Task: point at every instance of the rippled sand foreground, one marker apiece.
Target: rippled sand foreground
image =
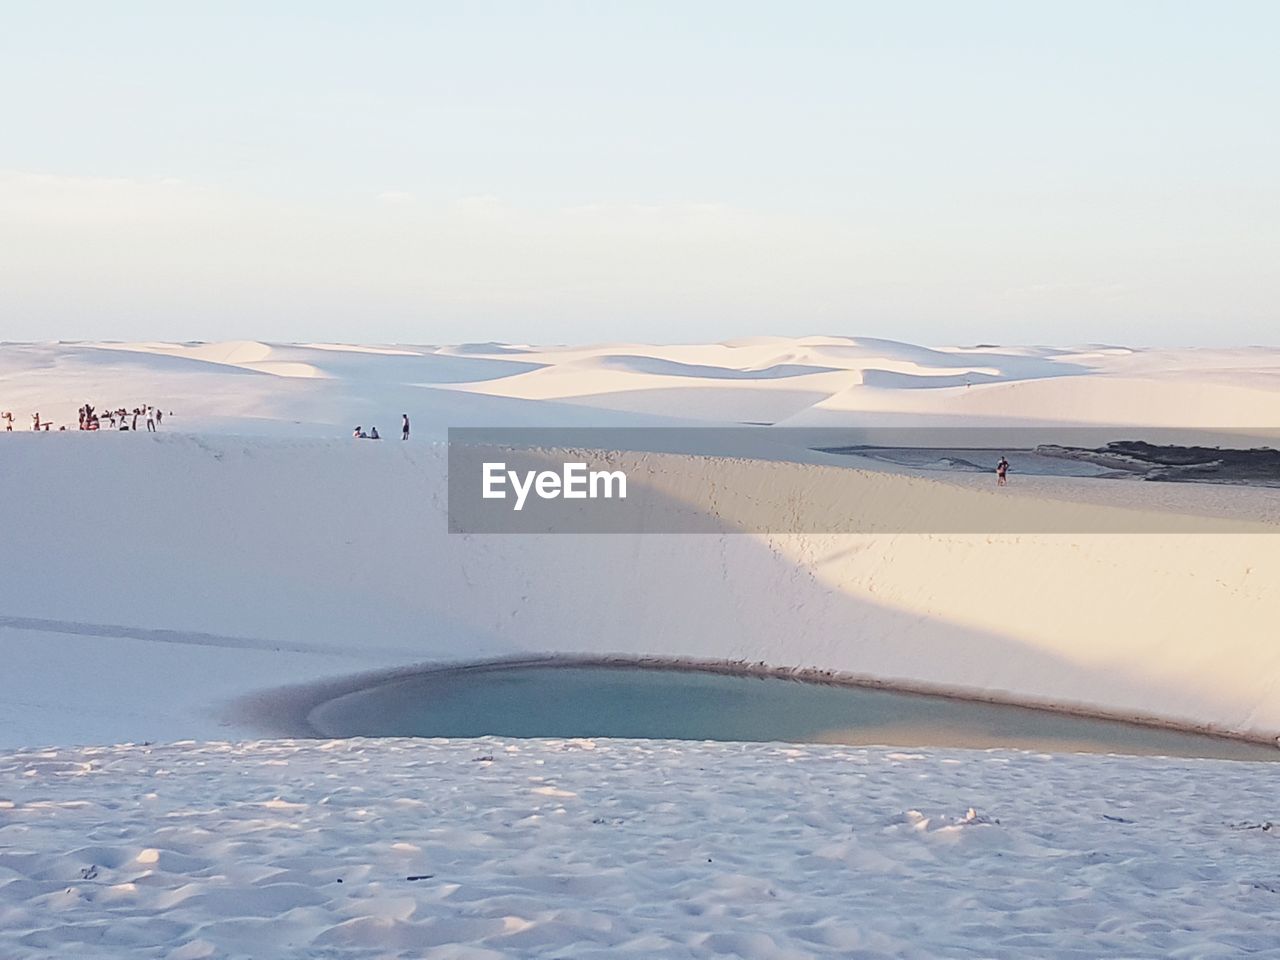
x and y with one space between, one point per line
505 848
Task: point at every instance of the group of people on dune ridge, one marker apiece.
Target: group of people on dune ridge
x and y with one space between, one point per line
89 419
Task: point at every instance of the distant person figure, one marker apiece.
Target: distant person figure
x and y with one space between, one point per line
373 433
7 416
35 425
135 421
359 433
404 426
159 416
1002 472
151 423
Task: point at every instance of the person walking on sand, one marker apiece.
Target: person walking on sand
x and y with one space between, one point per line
404 426
1002 472
151 423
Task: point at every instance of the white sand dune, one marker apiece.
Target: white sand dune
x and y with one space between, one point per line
342 546
319 389
329 546
1179 399
150 582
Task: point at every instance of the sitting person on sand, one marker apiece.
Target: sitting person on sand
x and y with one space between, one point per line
359 433
373 433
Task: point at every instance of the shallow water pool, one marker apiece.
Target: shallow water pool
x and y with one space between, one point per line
690 704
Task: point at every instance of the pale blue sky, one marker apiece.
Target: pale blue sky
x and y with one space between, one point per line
549 172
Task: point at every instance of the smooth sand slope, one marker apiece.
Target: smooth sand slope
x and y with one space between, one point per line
308 558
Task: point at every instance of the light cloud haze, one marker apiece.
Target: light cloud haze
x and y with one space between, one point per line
553 172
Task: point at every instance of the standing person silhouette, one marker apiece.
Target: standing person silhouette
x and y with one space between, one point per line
1002 472
404 426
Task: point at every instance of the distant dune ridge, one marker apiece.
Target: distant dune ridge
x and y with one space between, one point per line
323 389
